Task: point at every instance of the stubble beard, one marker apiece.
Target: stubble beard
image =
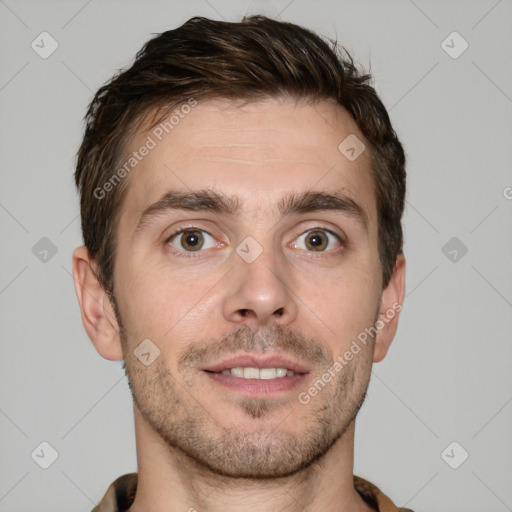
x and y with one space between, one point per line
173 410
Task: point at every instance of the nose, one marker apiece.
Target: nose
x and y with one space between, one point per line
258 294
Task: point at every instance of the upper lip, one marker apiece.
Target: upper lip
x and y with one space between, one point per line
251 361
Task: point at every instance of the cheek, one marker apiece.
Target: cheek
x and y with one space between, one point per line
342 307
159 303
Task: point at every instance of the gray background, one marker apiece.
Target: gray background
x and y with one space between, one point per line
447 377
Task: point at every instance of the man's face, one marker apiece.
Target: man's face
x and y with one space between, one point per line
260 282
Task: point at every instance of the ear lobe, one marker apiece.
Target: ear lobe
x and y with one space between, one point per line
97 313
391 305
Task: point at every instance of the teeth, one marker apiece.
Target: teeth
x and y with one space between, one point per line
251 373
237 372
259 373
267 373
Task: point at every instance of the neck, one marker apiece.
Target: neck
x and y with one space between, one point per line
169 480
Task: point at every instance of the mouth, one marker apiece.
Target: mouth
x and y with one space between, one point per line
250 372
255 376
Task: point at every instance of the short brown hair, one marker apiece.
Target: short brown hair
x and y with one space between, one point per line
255 59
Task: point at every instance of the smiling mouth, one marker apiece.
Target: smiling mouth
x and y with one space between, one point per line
257 373
264 384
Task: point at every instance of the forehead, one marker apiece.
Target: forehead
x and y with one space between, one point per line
258 152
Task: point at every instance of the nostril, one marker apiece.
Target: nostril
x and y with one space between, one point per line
279 311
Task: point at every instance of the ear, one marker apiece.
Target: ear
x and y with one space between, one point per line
98 314
390 307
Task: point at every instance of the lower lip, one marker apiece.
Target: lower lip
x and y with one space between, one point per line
258 387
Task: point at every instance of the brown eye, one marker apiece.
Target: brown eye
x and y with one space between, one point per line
316 241
192 240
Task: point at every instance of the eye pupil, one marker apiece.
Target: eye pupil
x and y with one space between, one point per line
192 240
316 240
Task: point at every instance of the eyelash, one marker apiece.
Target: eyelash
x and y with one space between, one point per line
195 254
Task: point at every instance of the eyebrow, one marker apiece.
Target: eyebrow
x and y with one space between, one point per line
205 200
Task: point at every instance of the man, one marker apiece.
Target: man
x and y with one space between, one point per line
241 198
